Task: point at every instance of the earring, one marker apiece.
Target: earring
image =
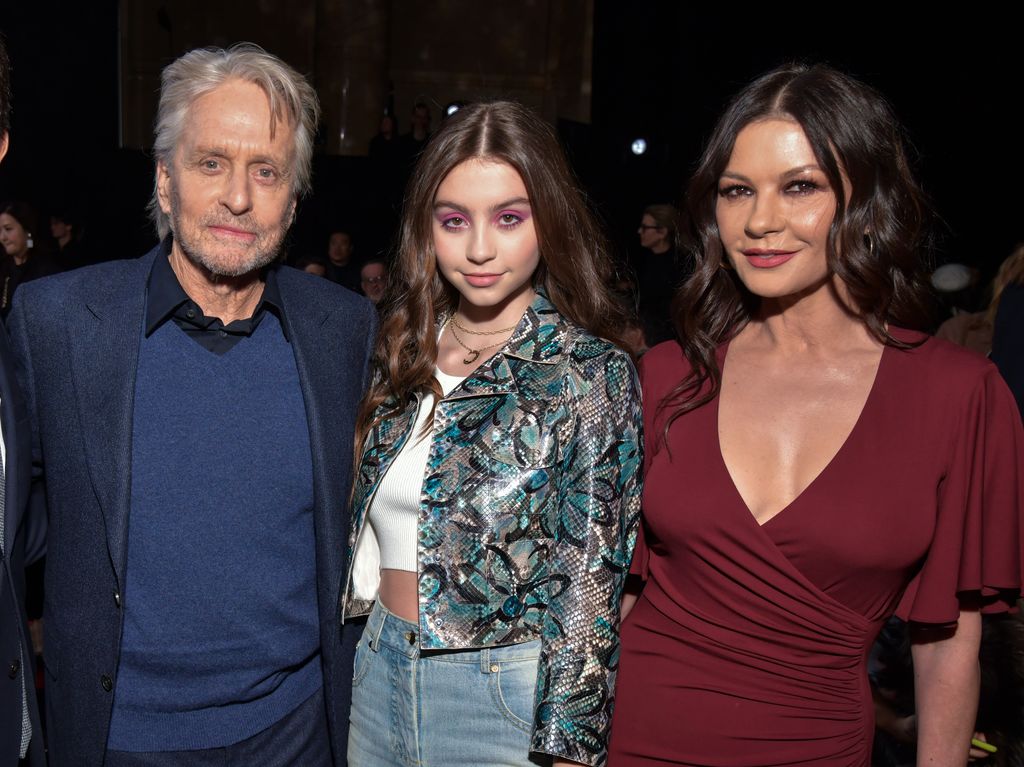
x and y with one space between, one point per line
870 243
31 244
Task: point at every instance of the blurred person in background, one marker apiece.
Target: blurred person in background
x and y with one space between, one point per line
23 260
341 268
1008 334
659 272
373 279
66 232
973 330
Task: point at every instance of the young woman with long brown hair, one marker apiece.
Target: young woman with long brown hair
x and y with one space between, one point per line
498 476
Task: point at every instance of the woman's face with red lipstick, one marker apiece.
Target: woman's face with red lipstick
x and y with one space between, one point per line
484 237
774 210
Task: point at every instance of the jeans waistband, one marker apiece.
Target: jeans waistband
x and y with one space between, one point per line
385 629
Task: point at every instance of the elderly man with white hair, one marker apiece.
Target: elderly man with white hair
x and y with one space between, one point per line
192 417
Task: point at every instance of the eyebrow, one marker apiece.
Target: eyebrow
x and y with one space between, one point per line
222 151
494 208
788 174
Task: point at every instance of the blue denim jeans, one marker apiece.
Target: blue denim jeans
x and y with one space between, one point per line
439 708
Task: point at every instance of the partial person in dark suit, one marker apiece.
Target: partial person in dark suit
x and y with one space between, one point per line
192 415
1008 340
21 540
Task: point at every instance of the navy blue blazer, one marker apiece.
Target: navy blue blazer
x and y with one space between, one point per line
24 531
77 339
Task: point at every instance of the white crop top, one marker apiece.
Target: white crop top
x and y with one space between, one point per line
394 513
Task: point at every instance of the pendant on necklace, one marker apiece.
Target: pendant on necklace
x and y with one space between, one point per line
474 355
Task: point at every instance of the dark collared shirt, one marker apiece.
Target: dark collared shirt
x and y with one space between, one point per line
166 299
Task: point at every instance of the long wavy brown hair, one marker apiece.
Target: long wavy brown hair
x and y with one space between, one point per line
875 240
574 270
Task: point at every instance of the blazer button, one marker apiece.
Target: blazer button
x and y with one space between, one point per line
117 598
14 668
106 683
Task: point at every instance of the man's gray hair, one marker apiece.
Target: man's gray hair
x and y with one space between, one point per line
200 71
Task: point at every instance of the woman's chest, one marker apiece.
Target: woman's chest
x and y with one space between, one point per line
857 530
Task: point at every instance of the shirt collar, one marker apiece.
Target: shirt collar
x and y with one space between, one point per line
164 293
541 333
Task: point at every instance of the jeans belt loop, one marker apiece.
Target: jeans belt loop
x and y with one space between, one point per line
486 667
375 638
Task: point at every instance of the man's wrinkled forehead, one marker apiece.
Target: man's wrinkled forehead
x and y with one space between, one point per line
236 116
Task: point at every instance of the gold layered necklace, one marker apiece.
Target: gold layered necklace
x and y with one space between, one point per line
474 354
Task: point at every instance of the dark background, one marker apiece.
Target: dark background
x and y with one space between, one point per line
662 71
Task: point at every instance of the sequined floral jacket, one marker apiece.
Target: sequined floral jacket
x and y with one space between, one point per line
527 519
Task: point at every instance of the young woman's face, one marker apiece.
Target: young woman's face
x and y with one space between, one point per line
774 209
13 236
485 239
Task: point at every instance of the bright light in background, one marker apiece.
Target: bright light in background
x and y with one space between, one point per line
452 109
639 146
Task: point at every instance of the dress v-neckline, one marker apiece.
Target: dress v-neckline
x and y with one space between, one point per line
868 402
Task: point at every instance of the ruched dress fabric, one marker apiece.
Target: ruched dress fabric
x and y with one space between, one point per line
748 644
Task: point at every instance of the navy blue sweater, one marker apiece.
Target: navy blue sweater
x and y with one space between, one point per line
221 635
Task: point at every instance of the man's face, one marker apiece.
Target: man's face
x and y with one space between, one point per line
339 248
229 192
59 229
374 281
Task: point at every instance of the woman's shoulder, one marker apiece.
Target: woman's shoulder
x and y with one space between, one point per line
581 345
663 368
666 358
588 358
935 364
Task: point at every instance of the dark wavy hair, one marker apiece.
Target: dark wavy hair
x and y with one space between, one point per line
875 239
574 271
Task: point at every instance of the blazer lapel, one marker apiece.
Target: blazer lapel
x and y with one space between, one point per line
304 319
105 327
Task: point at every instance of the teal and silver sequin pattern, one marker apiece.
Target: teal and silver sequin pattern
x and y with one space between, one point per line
528 515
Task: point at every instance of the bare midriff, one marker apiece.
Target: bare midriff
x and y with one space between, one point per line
398 593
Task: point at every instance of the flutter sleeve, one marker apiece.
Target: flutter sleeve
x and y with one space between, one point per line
976 553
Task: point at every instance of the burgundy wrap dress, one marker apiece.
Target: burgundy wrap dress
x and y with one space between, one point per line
748 645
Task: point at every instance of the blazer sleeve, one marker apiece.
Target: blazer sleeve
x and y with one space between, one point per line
598 508
35 515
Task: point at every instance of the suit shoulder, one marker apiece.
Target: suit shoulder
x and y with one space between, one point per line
55 288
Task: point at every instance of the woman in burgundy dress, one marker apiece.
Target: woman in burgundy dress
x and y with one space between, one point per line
814 463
